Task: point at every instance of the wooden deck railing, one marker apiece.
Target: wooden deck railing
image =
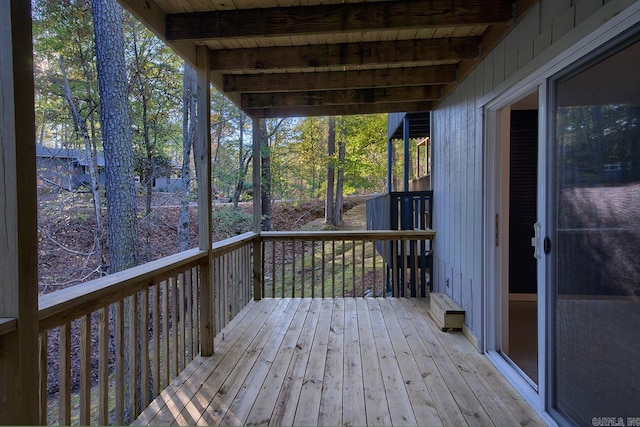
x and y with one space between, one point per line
133 332
338 263
232 276
110 346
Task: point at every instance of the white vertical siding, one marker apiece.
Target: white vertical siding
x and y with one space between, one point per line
458 148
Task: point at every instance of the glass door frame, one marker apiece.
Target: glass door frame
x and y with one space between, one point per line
496 186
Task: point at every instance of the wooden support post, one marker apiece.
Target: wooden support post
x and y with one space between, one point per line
19 387
207 326
407 152
257 208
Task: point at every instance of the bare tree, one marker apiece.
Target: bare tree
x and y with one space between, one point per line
189 129
81 127
329 212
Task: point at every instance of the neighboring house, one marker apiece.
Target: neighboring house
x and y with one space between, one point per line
69 168
66 167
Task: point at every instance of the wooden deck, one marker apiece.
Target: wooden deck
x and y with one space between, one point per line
339 362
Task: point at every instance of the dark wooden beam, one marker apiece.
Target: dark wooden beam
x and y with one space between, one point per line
340 110
344 54
251 101
334 18
388 77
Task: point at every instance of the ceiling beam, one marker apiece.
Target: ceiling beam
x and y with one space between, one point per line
251 101
149 13
345 54
334 18
340 110
388 77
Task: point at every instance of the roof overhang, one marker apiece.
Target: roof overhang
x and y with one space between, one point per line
328 57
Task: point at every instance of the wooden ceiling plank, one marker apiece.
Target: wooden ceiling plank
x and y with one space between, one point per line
251 101
345 54
388 77
345 17
341 110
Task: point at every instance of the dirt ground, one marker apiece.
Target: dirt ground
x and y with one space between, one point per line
66 224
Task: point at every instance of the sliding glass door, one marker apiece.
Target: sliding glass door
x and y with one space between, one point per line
594 316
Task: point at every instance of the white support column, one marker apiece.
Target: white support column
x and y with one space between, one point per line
207 327
19 388
257 207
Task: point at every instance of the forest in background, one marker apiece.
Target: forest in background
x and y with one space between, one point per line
304 159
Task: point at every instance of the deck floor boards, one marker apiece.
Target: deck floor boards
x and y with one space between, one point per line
339 362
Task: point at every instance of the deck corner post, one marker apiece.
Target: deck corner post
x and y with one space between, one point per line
207 326
19 381
257 268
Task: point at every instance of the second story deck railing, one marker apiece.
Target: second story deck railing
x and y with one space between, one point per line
108 347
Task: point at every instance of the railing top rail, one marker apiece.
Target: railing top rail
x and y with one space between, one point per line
7 324
411 193
349 235
58 307
228 245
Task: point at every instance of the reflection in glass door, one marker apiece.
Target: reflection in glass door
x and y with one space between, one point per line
595 237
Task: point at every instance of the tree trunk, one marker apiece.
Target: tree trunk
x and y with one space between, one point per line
244 159
148 172
340 181
116 134
189 135
265 180
329 213
81 126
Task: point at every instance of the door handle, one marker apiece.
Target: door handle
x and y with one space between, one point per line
535 240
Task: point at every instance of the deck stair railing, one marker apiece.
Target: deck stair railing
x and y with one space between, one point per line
404 210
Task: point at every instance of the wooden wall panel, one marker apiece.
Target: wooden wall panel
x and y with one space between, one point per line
457 136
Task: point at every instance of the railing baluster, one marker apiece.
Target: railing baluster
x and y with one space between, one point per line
44 376
364 242
375 256
302 268
322 281
133 358
313 268
333 269
165 333
119 389
273 268
103 368
353 267
174 325
217 294
195 307
188 295
293 270
155 313
144 347
64 381
85 370
394 261
283 265
182 355
385 267
416 278
344 266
